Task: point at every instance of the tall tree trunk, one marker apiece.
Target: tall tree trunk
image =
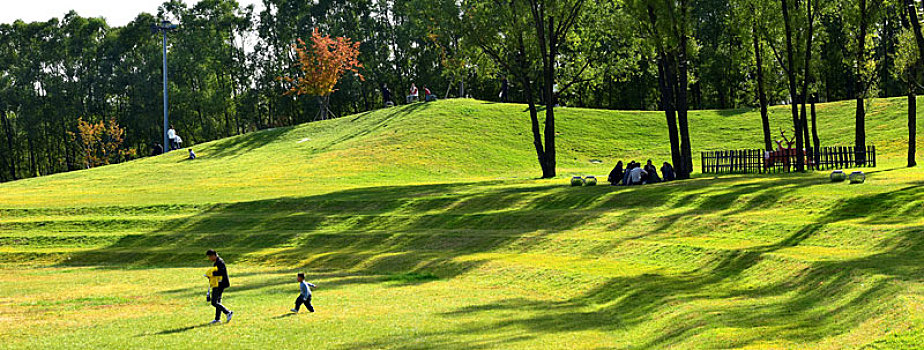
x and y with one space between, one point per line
68 159
547 49
912 125
11 156
815 139
667 82
531 102
860 134
686 151
807 75
549 131
761 93
912 14
791 73
322 108
33 167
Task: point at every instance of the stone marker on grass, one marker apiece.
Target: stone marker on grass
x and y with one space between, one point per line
590 181
857 177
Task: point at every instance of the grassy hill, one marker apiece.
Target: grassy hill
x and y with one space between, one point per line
444 142
424 228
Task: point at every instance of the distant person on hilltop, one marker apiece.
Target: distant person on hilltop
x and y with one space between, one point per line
386 96
616 175
505 89
222 272
157 150
171 137
413 94
192 155
428 96
305 297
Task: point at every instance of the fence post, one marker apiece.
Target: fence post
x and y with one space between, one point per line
873 154
840 157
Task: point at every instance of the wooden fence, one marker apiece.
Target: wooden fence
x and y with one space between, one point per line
753 161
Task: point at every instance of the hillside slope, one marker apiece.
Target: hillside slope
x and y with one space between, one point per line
400 218
447 141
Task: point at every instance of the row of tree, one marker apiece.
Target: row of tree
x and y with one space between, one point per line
227 64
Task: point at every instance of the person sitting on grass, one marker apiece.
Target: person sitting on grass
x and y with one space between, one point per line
222 272
428 96
638 175
625 176
192 155
386 96
305 296
652 173
667 171
413 95
615 175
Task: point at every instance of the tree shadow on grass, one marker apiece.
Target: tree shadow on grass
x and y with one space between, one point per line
426 229
398 229
825 299
373 230
237 145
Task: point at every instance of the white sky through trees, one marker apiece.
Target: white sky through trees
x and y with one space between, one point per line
117 12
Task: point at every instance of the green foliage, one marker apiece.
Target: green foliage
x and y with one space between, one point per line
225 58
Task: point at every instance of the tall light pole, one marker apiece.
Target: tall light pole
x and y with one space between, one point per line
164 27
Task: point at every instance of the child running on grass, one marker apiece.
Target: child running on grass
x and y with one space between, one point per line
305 296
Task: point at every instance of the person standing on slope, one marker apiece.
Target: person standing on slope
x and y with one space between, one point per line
221 271
171 138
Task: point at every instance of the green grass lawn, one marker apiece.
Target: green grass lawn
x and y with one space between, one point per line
424 228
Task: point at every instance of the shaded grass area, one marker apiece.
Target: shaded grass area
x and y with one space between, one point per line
788 261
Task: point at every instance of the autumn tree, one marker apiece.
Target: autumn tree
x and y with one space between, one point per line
322 63
101 143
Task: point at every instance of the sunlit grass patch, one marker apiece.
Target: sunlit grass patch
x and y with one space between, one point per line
424 228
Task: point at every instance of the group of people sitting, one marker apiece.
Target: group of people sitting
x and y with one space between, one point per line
413 95
635 174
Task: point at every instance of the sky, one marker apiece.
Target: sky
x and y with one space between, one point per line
116 12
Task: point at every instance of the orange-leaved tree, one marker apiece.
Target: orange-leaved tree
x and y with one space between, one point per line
322 63
101 143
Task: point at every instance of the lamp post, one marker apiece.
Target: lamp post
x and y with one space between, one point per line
164 27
